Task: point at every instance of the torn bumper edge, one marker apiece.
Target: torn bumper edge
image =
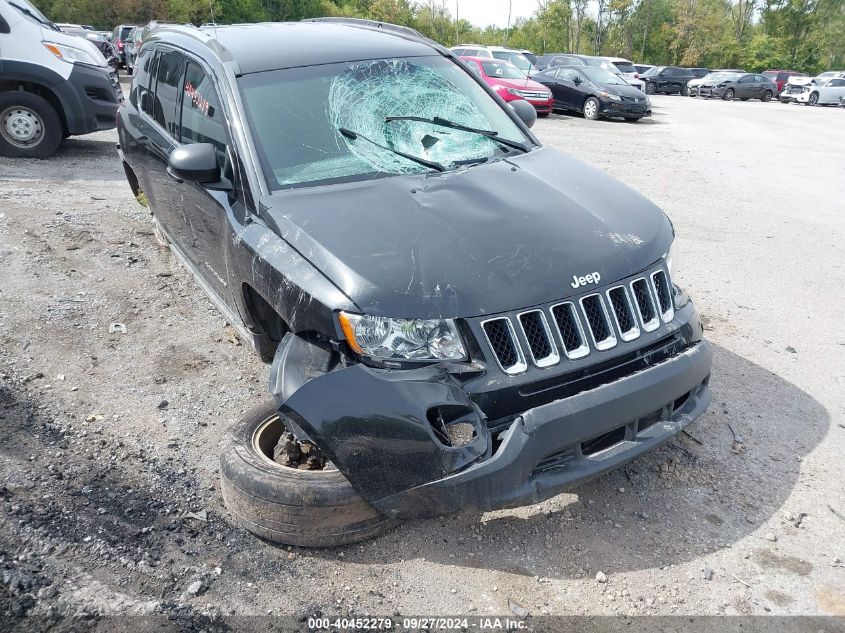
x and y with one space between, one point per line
373 426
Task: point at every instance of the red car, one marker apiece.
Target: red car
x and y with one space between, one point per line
511 83
780 77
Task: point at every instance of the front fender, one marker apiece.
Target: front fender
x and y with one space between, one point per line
377 426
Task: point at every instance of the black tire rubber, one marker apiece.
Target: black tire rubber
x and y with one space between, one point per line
729 94
814 98
684 91
52 125
633 118
584 109
743 98
649 88
767 96
285 505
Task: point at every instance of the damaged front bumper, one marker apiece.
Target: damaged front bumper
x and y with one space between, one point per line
386 431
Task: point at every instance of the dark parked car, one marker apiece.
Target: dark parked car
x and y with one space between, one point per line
458 316
670 79
131 46
595 92
729 86
119 35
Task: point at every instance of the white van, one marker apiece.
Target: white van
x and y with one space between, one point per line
52 84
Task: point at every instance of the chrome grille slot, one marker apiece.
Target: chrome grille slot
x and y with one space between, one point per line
502 339
570 330
623 313
541 345
663 295
598 322
645 304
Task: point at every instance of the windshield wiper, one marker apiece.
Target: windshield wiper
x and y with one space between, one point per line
52 25
422 161
440 121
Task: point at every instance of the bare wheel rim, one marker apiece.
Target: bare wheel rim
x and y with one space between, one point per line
590 109
265 438
729 95
814 99
21 127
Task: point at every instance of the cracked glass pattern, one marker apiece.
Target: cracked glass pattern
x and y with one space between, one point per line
361 97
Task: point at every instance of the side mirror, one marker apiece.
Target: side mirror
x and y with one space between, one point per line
195 163
525 111
577 81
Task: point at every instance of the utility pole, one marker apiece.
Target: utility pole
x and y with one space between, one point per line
508 31
457 22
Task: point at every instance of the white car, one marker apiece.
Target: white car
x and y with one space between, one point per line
831 91
515 57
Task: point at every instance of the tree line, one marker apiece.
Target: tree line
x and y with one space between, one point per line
807 35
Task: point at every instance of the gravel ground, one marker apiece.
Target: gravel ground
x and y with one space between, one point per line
110 500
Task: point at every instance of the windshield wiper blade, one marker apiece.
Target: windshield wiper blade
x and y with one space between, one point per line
491 134
422 161
52 25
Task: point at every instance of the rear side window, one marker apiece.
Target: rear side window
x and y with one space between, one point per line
166 91
625 67
202 119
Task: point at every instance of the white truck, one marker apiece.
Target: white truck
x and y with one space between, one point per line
52 84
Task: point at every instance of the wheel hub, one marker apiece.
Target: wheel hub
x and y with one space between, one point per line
21 127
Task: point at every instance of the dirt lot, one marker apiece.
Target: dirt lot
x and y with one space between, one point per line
110 500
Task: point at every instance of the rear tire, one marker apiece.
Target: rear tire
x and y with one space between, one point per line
286 505
29 126
591 108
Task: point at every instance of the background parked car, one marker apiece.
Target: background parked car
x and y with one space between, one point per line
780 77
693 84
746 86
119 35
642 68
829 91
608 63
670 79
515 57
131 46
511 83
594 92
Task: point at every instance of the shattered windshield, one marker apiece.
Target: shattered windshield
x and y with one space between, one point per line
297 115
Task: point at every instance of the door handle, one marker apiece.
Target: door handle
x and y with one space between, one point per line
173 176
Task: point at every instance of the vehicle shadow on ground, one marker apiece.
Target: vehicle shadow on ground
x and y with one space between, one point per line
563 115
697 494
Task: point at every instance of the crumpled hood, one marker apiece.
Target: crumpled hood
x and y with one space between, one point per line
482 240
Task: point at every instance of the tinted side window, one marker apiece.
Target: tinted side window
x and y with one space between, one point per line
202 119
747 79
836 83
166 91
761 79
141 77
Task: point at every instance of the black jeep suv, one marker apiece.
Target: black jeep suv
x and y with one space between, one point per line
458 317
670 79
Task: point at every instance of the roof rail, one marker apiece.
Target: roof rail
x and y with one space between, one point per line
373 24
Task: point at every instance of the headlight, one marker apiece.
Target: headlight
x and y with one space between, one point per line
402 339
611 97
515 92
671 258
71 54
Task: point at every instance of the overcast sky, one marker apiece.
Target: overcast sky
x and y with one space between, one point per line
485 12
